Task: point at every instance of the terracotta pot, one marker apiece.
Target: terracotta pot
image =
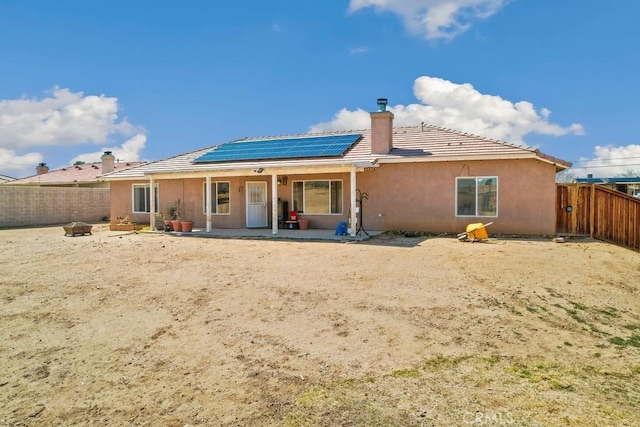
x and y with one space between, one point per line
168 226
187 225
177 225
303 223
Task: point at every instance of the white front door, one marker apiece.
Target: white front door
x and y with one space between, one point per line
257 204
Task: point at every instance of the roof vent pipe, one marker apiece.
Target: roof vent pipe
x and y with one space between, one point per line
382 104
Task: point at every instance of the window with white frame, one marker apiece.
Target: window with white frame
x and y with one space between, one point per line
477 196
142 198
219 197
317 197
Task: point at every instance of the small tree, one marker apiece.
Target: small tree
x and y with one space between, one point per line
566 176
629 173
177 213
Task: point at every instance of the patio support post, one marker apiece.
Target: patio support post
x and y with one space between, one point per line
152 204
274 203
207 207
352 211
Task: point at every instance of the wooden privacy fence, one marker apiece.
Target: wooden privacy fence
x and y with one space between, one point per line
600 212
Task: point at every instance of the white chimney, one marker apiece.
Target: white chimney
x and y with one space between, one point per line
381 129
108 161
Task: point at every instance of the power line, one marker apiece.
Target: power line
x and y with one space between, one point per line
612 158
606 166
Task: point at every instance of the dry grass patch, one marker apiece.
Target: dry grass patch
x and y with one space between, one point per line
453 391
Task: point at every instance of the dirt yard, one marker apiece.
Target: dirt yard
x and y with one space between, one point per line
155 330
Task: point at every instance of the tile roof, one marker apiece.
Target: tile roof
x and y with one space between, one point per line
423 143
5 178
89 173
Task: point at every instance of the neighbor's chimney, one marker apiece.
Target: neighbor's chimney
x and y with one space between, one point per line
381 129
42 168
108 161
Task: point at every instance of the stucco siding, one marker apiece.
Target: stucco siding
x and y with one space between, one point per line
421 196
190 192
324 221
401 196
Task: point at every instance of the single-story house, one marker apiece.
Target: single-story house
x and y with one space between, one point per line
421 178
79 175
72 193
625 184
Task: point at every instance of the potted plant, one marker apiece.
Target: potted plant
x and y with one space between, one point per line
187 225
166 217
176 217
303 223
185 222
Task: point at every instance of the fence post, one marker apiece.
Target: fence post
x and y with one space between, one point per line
573 194
592 210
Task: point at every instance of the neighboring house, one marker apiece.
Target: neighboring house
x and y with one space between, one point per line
4 179
627 185
84 175
74 193
422 178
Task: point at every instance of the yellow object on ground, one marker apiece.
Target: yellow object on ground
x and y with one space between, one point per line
477 231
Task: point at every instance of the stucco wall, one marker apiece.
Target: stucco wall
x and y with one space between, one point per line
421 196
190 193
29 206
407 196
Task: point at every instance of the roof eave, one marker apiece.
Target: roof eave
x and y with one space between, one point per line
250 169
558 163
52 183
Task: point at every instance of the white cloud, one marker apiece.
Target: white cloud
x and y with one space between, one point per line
63 118
60 118
460 107
128 152
434 19
10 161
609 161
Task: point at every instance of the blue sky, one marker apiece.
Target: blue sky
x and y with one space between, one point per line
151 79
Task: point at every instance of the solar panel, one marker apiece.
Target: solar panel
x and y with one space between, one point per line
281 148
